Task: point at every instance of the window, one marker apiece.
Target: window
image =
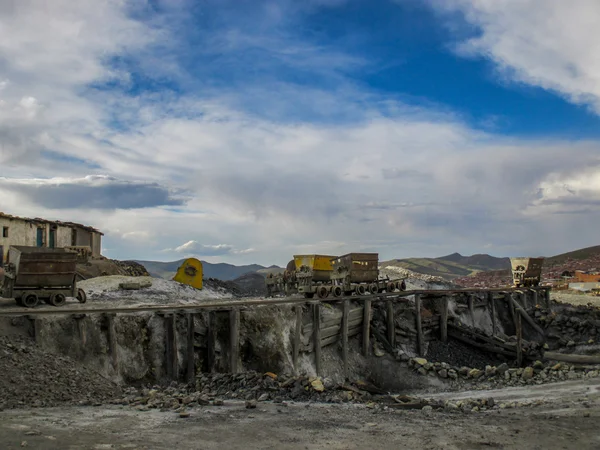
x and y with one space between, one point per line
4 232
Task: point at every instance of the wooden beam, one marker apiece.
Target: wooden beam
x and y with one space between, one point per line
297 333
492 303
366 338
210 341
519 341
112 341
444 319
572 358
420 337
234 339
471 308
345 315
548 301
171 347
511 308
190 353
391 324
526 316
316 313
535 295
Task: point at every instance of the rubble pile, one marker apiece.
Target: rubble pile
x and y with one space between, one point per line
32 377
131 268
223 287
569 326
502 375
252 284
401 272
254 388
485 280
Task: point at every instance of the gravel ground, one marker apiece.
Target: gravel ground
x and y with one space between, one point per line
32 377
456 353
575 299
567 421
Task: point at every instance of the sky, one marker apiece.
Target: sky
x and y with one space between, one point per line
247 131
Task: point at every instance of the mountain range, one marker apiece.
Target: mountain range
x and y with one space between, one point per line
448 267
221 271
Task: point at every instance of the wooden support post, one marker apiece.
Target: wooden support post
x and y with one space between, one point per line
234 339
297 333
420 337
191 354
536 298
35 329
391 324
521 312
471 308
492 303
316 313
548 301
345 313
444 319
79 320
511 308
519 341
112 341
366 334
171 347
210 341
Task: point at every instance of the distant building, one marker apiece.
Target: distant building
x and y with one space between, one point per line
585 287
47 233
581 276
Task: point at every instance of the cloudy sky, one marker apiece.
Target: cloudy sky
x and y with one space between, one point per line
247 130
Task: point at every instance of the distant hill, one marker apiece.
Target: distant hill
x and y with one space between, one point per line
451 266
577 255
221 271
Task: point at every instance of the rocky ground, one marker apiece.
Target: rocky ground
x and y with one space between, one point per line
31 377
563 416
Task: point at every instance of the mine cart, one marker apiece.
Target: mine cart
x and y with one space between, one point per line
526 271
38 273
313 274
359 273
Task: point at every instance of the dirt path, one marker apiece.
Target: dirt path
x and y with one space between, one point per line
568 420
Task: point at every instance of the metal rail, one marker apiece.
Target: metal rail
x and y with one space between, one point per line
216 304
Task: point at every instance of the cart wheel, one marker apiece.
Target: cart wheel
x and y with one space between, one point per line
81 295
30 300
322 292
373 288
360 289
57 299
337 291
390 287
401 285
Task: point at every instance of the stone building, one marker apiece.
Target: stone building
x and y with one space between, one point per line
47 233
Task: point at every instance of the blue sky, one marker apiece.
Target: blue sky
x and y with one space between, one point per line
248 130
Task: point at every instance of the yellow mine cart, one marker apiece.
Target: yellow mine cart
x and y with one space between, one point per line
319 266
526 271
190 273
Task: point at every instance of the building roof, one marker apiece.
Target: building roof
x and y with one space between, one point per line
55 222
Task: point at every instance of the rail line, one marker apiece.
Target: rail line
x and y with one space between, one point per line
217 304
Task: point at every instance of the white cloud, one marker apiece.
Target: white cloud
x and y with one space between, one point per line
553 44
401 181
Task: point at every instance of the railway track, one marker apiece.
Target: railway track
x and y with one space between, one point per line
227 305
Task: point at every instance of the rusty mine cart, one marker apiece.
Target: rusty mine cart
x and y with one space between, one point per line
33 274
526 272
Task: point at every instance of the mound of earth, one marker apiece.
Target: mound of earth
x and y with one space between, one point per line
104 267
252 284
132 291
32 377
